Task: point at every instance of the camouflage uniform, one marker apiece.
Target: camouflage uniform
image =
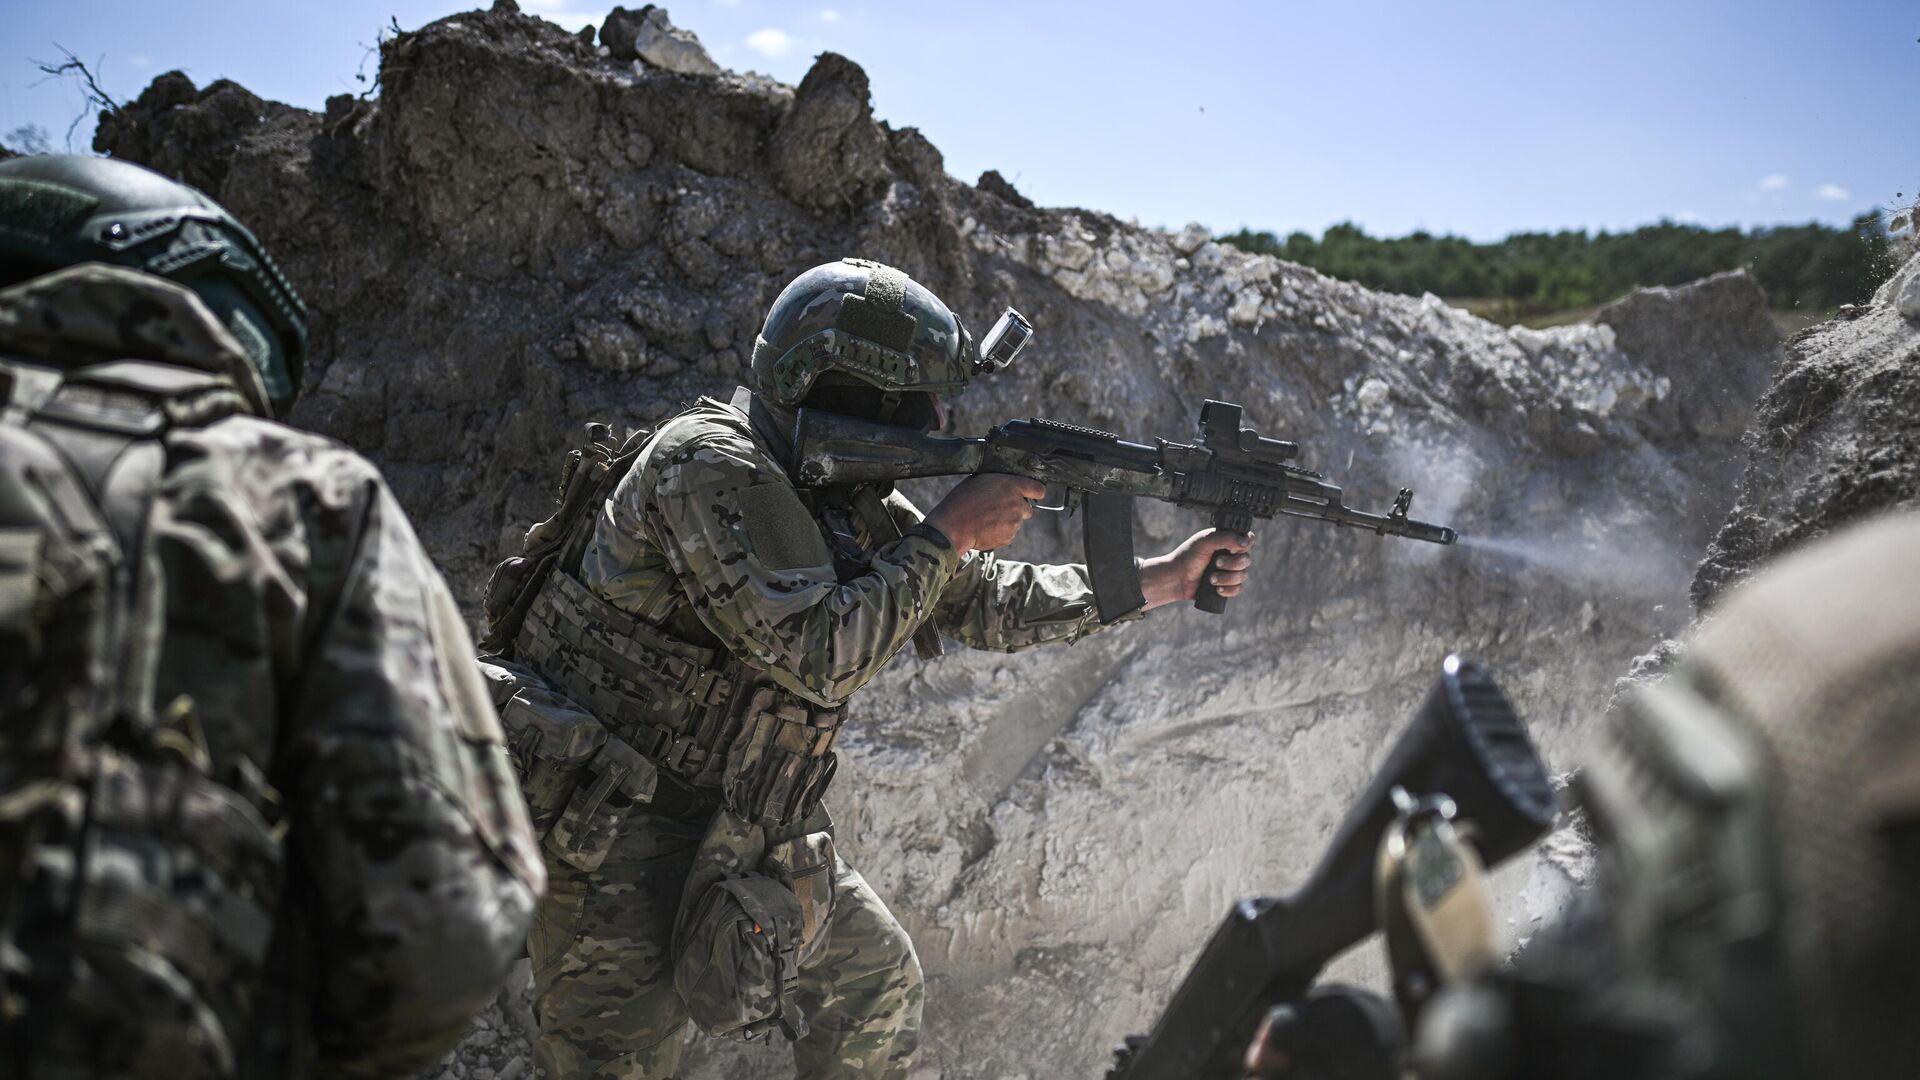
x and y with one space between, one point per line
327 678
708 539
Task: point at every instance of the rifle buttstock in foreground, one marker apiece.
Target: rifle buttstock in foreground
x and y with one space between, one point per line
1467 748
1233 471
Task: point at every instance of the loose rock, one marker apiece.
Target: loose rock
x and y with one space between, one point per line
658 43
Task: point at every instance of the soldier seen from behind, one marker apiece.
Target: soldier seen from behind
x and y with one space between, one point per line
256 818
674 654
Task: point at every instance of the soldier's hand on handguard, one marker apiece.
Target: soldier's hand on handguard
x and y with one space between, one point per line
1175 576
984 512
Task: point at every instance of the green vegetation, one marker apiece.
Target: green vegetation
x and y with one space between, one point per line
1528 275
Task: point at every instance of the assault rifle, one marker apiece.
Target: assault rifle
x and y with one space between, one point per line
1462 790
1233 471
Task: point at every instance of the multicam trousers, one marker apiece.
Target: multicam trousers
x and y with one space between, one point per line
603 970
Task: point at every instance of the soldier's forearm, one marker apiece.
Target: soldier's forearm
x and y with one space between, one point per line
406 988
1005 606
427 1017
416 915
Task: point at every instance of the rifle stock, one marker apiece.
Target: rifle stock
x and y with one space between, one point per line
832 450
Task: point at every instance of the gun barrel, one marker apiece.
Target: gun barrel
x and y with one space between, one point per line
1383 524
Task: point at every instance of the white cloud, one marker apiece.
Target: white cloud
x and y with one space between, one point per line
1832 193
727 3
1688 217
558 11
1773 182
771 42
140 60
829 16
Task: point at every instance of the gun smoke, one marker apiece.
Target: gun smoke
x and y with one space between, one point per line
1640 571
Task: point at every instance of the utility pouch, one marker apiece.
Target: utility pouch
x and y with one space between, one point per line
752 914
553 742
587 827
739 959
781 760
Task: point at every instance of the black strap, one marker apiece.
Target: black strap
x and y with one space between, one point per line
110 439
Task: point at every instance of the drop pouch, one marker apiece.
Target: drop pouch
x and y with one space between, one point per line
752 915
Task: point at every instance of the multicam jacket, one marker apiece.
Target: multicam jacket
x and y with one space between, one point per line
329 682
709 539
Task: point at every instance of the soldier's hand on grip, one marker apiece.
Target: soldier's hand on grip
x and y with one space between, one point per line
1175 576
985 512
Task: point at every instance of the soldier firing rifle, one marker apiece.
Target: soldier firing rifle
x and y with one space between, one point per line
1233 471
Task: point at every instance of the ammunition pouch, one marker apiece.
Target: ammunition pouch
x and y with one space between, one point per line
553 740
781 758
580 782
693 713
754 913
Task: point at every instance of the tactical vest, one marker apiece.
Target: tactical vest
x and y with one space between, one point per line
654 706
138 890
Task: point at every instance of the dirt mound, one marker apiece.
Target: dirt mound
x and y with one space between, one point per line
1836 437
520 235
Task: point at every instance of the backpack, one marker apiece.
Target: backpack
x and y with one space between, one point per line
587 480
138 892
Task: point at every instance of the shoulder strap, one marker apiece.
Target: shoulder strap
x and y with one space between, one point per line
109 439
107 424
605 473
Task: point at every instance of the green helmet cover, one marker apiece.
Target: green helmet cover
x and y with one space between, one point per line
863 320
58 210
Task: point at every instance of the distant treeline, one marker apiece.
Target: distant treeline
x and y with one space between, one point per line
1810 266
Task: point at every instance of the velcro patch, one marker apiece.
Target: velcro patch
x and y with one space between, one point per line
879 316
784 535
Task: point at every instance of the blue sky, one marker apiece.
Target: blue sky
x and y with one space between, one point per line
1478 118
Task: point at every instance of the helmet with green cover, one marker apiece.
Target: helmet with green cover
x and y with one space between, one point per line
858 323
59 210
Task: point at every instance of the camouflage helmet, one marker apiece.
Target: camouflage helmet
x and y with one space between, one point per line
866 321
57 210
